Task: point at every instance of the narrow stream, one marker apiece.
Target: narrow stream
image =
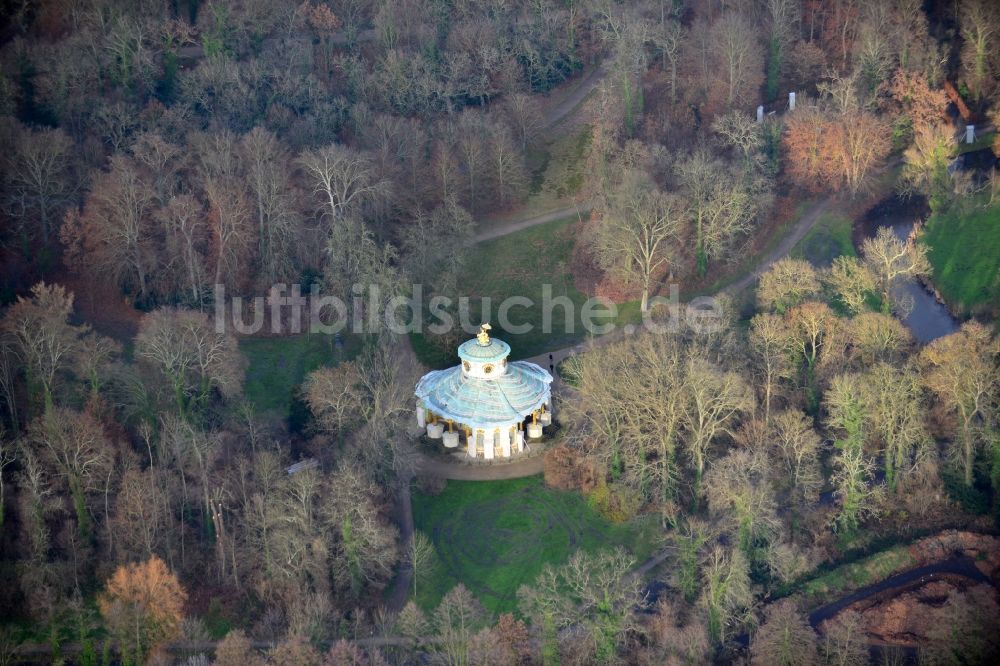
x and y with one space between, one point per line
927 318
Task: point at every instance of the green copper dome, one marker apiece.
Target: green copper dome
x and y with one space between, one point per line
485 403
474 352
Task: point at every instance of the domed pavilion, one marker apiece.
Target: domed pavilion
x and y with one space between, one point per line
489 404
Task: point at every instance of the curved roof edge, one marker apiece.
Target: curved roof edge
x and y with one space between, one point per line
425 392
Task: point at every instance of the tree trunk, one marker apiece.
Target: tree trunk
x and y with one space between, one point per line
80 507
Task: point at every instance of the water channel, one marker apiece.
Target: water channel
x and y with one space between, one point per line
925 316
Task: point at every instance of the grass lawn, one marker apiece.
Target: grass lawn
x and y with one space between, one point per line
494 536
276 366
983 140
827 240
965 255
519 264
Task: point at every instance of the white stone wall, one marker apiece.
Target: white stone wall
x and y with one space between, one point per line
478 369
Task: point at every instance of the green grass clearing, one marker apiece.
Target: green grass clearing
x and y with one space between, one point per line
983 140
519 264
277 366
828 239
494 536
849 577
964 244
564 171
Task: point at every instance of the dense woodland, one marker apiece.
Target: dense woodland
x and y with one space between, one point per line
160 157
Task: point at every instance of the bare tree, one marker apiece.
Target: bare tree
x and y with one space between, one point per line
877 337
797 445
741 131
94 356
7 456
863 143
722 204
524 116
114 236
420 557
39 179
434 246
980 33
364 551
594 590
44 339
161 160
10 369
896 411
36 504
334 396
355 256
772 345
268 167
927 161
77 451
184 346
783 18
811 325
844 640
676 637
633 241
785 637
891 259
230 227
787 283
633 425
960 370
508 173
235 649
455 621
472 137
184 222
716 401
342 178
739 61
739 493
847 406
852 281
668 36
726 595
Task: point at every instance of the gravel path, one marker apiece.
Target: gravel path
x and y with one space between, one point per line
479 472
568 105
553 117
784 246
527 223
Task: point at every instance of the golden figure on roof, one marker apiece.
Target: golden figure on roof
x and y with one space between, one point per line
483 336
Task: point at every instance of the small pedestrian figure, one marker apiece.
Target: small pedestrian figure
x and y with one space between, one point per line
552 366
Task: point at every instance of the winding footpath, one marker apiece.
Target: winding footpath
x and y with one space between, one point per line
960 566
553 117
798 231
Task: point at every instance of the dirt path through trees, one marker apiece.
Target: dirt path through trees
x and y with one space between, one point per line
528 222
784 246
564 108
